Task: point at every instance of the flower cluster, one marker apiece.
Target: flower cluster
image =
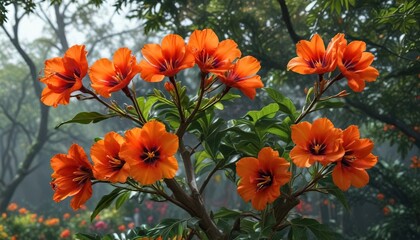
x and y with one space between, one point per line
63 75
322 142
16 224
146 154
143 159
351 59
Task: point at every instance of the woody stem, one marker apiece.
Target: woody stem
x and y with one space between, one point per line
196 206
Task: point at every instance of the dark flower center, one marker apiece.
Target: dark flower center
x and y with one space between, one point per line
82 175
317 148
150 156
264 180
348 159
65 78
317 63
115 162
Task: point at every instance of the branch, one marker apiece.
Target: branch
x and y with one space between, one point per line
98 40
386 118
383 47
286 18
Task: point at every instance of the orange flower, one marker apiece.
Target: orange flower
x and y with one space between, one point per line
380 196
108 165
210 55
131 225
63 75
313 58
386 210
350 169
319 141
243 76
71 176
122 228
4 215
12 207
261 179
166 60
150 152
52 221
354 64
23 211
415 162
82 223
65 233
108 77
66 216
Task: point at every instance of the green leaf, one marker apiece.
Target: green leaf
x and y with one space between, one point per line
122 199
227 213
309 94
219 106
170 227
320 231
86 118
202 162
337 193
329 104
106 201
230 96
297 233
268 111
146 105
328 185
84 236
285 104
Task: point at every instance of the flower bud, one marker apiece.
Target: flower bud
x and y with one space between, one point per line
169 86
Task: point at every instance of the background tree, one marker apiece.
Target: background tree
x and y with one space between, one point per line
27 125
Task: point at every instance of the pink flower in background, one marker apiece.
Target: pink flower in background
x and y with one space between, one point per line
101 225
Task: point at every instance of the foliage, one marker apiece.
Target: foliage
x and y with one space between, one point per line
21 223
29 6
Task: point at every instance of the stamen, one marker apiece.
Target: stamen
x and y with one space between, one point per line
82 174
263 182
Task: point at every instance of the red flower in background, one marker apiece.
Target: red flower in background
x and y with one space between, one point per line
12 207
63 75
65 233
